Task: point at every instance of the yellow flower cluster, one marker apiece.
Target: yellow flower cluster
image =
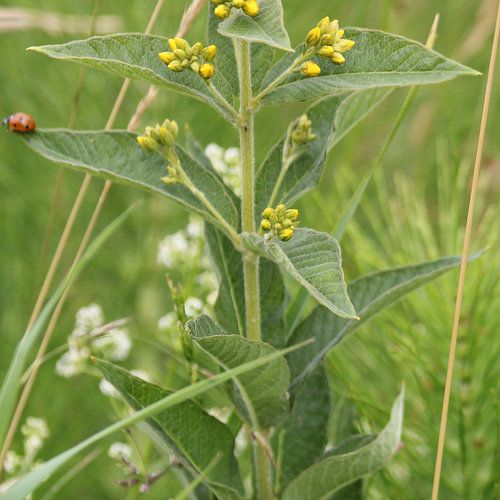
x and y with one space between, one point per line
164 134
223 9
184 56
279 222
325 40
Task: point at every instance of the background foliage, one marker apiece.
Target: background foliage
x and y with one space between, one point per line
413 212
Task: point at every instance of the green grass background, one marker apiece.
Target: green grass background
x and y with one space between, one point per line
414 211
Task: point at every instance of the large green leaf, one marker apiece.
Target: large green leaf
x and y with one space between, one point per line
194 436
259 395
266 27
313 259
116 155
11 382
135 56
370 294
305 172
229 308
331 474
31 481
303 437
377 59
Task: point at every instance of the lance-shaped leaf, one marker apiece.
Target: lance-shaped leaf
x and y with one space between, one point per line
313 259
266 27
328 476
259 395
229 308
370 294
377 59
305 172
193 435
135 56
303 437
116 155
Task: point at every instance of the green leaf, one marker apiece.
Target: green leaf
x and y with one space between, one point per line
370 294
115 155
229 308
377 59
31 481
194 436
266 27
261 62
303 437
305 172
135 56
259 395
11 383
313 259
331 474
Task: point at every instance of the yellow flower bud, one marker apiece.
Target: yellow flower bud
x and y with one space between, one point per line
238 3
180 54
172 44
166 137
217 1
147 143
207 71
195 66
313 36
287 223
175 66
338 58
325 40
333 27
197 49
209 52
222 11
285 234
267 213
280 210
338 35
345 45
265 225
292 214
251 7
324 23
325 51
310 69
174 128
181 43
166 57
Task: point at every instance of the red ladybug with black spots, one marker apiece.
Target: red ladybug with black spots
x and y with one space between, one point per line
20 122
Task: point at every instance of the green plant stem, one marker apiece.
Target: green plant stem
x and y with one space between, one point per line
223 101
250 261
263 472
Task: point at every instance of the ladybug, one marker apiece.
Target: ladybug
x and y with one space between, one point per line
20 122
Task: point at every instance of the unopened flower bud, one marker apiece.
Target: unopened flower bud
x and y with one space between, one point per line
267 213
292 214
251 7
146 143
180 54
181 43
174 128
167 57
345 45
209 52
337 58
334 26
175 66
265 225
238 3
313 36
323 23
285 234
172 44
166 137
325 51
222 11
207 71
195 66
287 223
197 49
310 69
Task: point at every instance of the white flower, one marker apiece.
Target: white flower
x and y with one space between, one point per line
89 317
114 345
35 426
141 374
195 227
212 297
240 443
174 249
214 151
12 462
232 157
193 307
32 444
71 363
108 389
168 321
119 450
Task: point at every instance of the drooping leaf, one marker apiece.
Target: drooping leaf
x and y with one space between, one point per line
305 172
266 27
259 395
194 436
115 155
370 295
329 475
11 383
377 59
303 437
32 480
229 308
313 259
135 56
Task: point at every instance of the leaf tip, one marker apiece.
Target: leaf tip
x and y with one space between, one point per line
34 49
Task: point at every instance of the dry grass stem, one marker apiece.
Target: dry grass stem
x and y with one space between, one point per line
463 266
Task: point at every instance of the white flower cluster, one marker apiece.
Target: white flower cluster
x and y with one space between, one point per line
35 431
227 164
193 307
119 450
113 345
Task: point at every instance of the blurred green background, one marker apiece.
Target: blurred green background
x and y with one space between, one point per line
414 211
